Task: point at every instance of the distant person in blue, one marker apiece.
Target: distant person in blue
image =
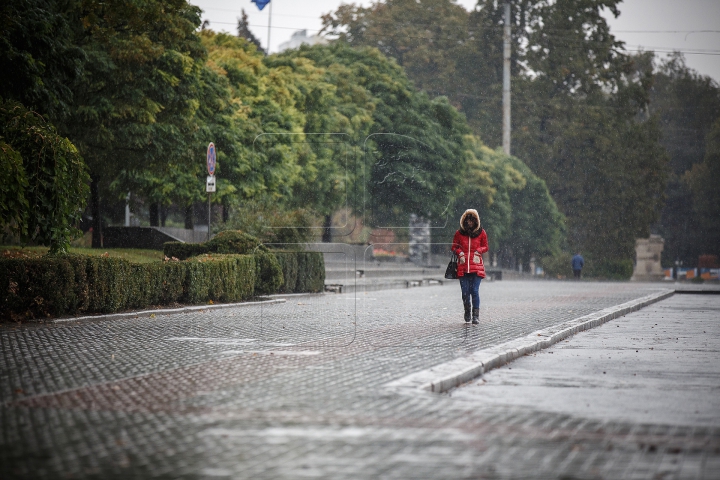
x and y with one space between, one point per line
577 264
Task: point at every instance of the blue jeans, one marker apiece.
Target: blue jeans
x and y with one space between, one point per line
470 286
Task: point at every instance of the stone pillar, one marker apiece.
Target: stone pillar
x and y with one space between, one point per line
647 259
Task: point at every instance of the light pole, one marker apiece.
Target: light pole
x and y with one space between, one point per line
506 80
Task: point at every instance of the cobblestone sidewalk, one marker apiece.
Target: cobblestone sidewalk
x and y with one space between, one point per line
295 390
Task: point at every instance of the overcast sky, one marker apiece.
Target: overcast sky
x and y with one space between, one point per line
660 25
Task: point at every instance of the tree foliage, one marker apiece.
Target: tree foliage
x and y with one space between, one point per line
415 144
141 91
686 104
516 208
39 61
702 181
45 182
580 104
584 129
138 95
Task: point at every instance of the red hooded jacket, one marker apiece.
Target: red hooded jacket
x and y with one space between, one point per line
470 246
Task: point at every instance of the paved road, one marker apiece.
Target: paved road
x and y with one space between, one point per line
290 390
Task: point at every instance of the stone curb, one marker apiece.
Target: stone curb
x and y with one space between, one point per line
448 375
163 311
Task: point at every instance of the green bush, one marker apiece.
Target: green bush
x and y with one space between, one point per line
272 224
269 273
234 242
311 272
111 284
557 266
289 264
608 269
157 284
36 288
183 251
225 278
282 271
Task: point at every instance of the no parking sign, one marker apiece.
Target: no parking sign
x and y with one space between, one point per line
211 159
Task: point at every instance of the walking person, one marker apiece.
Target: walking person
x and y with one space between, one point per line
578 262
469 243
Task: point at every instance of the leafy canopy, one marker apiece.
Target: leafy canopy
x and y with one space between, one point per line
45 182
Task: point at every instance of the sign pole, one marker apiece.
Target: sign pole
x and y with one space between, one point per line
210 185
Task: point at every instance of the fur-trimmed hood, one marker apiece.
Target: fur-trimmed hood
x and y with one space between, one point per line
478 229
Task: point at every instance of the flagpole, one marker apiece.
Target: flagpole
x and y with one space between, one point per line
269 23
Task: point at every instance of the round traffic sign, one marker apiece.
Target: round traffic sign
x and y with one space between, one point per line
211 159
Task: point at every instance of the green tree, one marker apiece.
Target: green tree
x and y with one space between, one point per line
39 60
517 211
687 104
445 50
599 152
702 181
415 149
44 179
262 102
577 97
135 105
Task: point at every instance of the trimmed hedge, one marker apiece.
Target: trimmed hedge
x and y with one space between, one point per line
53 286
183 251
289 264
227 278
33 287
235 241
227 242
311 272
611 269
277 271
269 274
558 266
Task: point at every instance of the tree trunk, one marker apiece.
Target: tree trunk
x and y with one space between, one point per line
154 215
225 212
163 214
327 231
95 211
189 217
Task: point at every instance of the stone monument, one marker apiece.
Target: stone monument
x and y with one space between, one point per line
647 259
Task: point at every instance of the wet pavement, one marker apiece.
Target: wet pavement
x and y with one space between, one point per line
656 370
295 389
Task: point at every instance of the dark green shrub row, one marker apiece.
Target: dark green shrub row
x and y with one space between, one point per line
311 272
269 274
289 265
280 271
183 251
610 269
226 278
54 286
303 272
228 242
558 266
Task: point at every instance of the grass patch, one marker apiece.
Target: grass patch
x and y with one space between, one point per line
133 255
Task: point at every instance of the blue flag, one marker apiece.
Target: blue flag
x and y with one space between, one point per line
260 3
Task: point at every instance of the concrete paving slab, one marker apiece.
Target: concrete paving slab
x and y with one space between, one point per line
660 365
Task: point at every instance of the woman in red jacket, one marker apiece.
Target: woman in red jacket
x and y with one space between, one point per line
469 243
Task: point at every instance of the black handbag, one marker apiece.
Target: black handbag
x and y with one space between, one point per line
451 270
